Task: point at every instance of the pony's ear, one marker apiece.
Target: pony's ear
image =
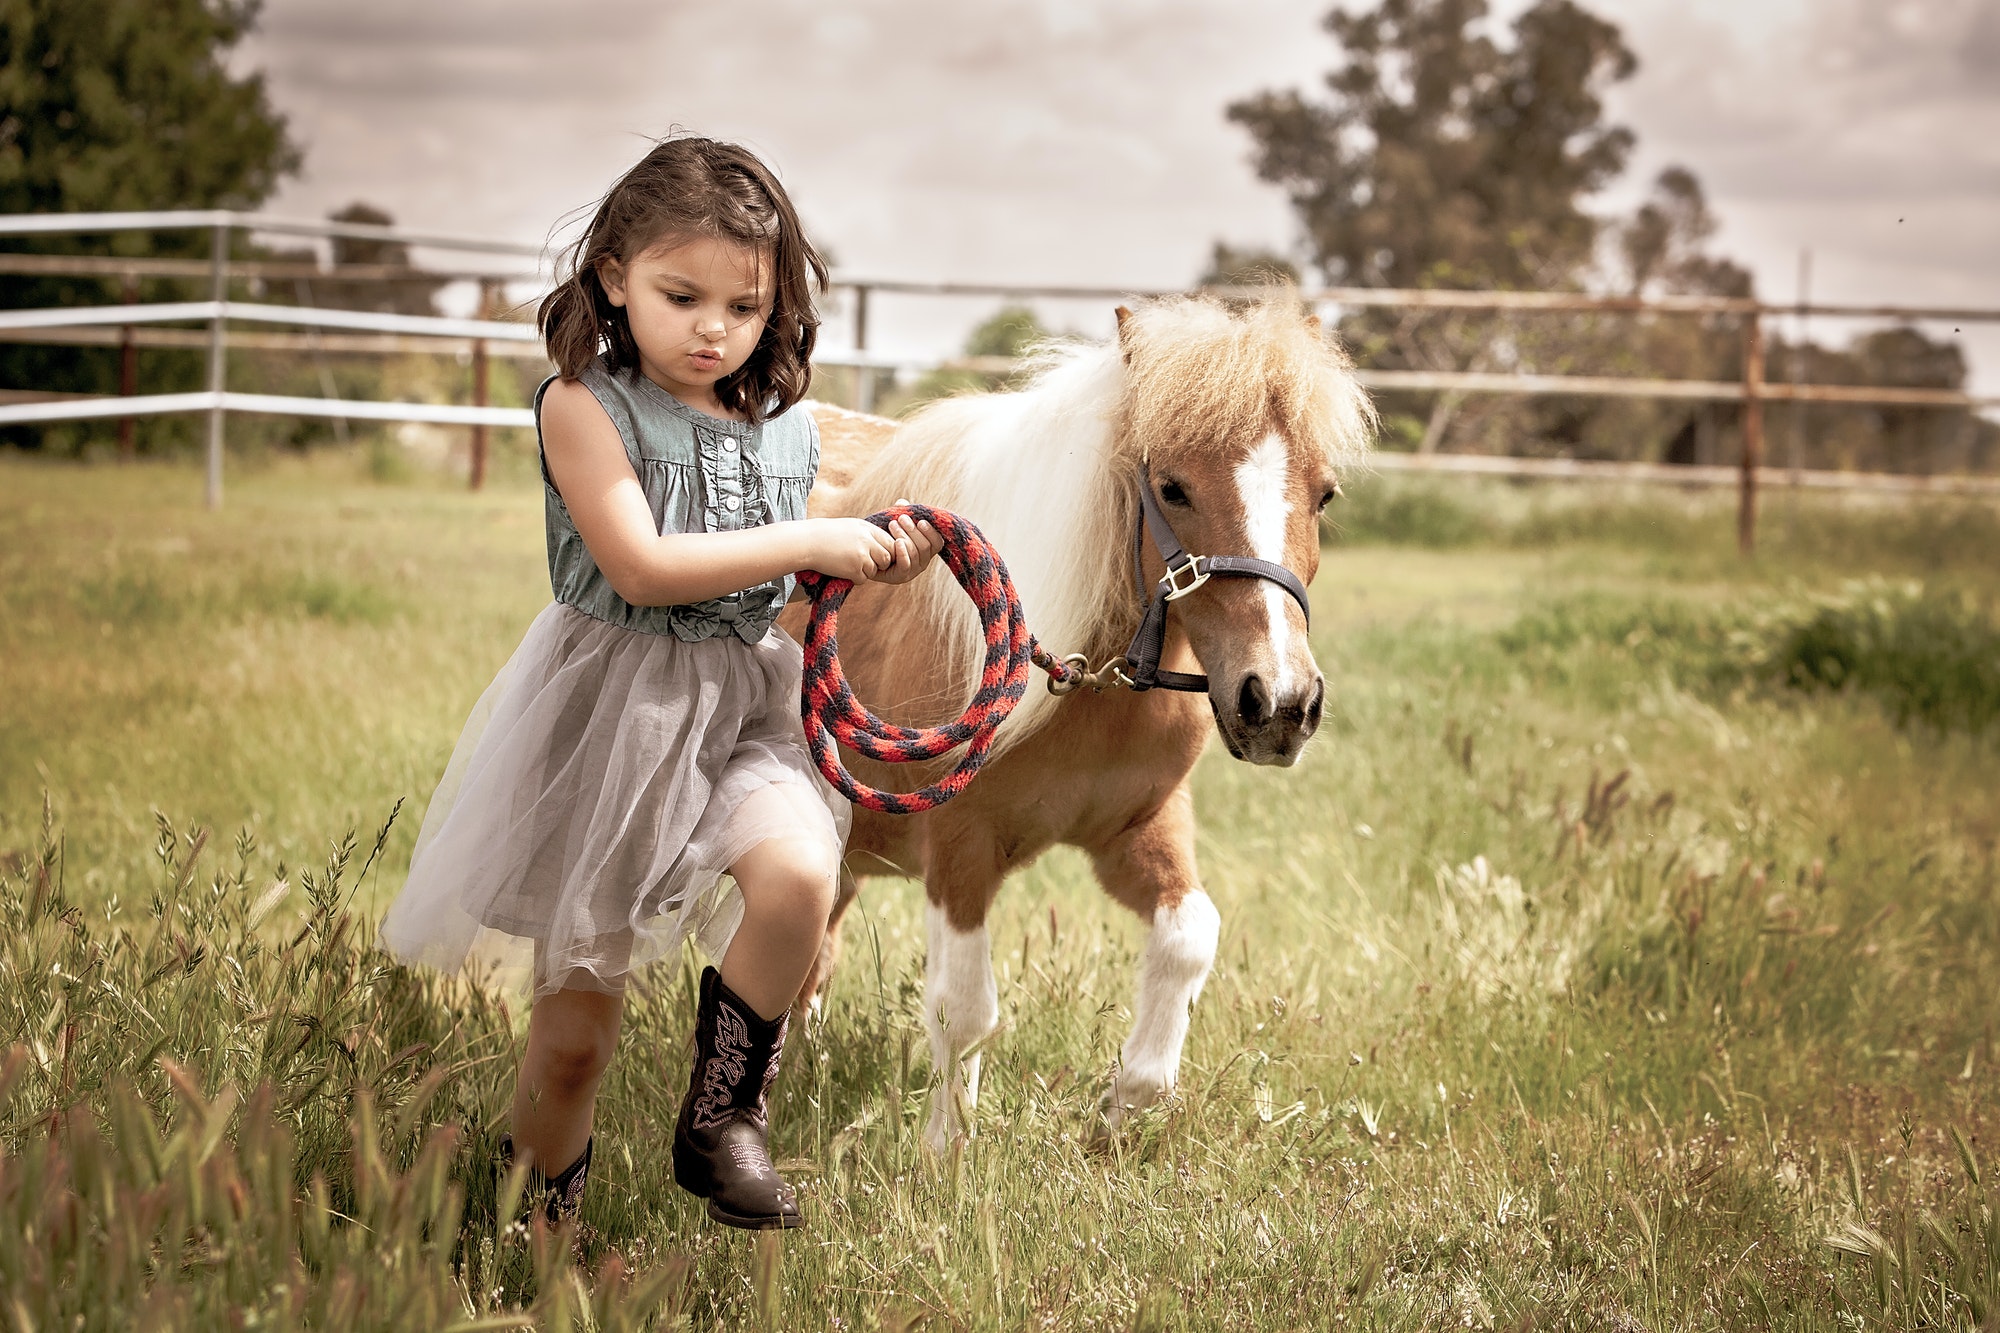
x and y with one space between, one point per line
1312 322
1124 330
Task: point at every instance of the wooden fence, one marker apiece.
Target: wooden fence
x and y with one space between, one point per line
132 325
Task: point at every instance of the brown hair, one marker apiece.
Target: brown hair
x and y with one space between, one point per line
689 187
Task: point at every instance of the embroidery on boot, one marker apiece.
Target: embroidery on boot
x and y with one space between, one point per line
771 1065
724 1070
752 1158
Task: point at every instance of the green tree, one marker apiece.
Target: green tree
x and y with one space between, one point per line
1009 333
112 105
1444 158
1240 266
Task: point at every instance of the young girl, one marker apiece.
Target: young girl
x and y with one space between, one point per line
644 739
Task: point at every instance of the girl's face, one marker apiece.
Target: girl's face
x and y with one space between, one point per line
697 309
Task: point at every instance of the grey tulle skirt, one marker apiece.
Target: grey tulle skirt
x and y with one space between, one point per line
603 785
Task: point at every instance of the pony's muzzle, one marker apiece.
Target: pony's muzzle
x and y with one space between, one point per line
1264 727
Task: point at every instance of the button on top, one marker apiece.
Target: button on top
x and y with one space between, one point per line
728 445
732 504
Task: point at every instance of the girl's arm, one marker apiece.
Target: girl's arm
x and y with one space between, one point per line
587 462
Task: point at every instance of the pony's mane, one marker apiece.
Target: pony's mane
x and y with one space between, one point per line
1049 471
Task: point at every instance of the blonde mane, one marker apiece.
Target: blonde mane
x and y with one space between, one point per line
1049 472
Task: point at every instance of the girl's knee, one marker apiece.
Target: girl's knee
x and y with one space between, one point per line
573 1037
794 881
574 1059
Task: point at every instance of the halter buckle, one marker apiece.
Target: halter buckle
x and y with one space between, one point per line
1171 582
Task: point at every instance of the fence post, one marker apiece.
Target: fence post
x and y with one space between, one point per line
1753 433
218 264
128 368
864 378
481 382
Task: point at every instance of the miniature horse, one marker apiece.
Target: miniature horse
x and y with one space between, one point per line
1241 419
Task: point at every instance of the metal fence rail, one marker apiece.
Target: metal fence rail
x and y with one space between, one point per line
369 332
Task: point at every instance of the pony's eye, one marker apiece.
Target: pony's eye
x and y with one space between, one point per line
1173 494
1331 492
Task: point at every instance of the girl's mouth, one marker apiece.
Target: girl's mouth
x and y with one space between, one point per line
706 359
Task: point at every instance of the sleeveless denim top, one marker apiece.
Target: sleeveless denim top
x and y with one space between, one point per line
700 474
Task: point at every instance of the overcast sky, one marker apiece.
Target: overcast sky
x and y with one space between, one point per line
1083 141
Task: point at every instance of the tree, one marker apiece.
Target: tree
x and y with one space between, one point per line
1234 266
111 105
1010 332
1443 158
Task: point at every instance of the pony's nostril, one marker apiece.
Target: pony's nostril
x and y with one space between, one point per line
1253 701
1317 704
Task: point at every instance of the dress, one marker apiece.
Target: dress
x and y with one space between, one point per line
625 757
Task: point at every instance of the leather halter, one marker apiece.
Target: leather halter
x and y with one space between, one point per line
1185 573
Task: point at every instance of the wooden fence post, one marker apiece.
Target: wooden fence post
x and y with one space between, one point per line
864 378
128 368
481 383
1753 433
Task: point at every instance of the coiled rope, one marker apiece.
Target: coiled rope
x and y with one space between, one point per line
833 715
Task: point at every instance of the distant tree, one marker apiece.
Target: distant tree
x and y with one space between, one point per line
1664 243
1443 158
1010 332
414 295
117 105
1231 266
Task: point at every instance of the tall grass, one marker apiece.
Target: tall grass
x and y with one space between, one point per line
1584 974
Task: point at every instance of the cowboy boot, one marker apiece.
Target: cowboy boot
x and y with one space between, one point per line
719 1140
562 1197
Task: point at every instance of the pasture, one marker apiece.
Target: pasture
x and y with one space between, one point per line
1619 955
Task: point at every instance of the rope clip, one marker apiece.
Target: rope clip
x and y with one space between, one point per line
1108 676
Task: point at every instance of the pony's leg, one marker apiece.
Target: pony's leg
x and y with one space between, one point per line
845 892
1150 868
961 1003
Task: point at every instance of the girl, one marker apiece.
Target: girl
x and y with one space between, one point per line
644 739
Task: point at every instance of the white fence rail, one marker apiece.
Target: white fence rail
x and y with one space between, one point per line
375 332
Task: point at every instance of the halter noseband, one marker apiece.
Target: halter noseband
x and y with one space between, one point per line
1139 669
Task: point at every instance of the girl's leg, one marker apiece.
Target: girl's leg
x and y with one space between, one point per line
571 1035
788 887
721 1151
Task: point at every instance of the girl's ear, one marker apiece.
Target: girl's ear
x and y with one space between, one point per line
611 276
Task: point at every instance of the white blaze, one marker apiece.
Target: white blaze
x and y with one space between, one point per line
1263 481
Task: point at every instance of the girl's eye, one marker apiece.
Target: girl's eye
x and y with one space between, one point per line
680 298
745 310
1172 492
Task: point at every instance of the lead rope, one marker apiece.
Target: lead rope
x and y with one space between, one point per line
832 714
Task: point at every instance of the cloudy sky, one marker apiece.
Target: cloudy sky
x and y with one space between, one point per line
1083 141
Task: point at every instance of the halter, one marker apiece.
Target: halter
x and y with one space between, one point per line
1139 668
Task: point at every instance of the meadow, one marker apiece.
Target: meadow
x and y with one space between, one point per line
1619 956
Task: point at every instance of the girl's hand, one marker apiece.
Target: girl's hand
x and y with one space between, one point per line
915 544
848 548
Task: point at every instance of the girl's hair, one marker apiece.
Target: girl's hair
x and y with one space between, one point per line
690 187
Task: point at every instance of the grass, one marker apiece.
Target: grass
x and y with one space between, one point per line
1608 962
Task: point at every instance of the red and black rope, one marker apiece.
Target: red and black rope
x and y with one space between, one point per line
833 715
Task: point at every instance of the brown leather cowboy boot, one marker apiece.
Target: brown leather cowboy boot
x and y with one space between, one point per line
561 1196
719 1140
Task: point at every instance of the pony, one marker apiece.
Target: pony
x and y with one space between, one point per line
1241 418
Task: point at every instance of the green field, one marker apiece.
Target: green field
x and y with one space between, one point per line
1620 955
